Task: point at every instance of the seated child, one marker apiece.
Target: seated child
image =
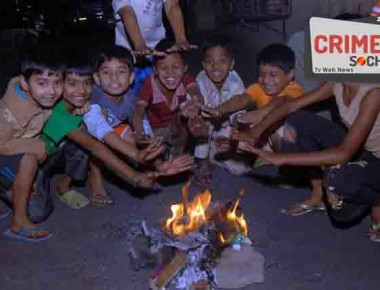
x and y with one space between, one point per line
64 125
162 95
139 27
24 109
218 83
350 156
274 85
112 104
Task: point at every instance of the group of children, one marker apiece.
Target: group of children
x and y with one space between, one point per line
85 114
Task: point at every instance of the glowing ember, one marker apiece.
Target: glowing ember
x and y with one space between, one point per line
190 216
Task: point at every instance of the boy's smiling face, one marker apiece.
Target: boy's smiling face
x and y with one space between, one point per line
170 71
44 89
217 63
77 90
114 76
273 79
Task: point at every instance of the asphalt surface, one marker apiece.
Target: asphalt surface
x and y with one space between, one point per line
88 250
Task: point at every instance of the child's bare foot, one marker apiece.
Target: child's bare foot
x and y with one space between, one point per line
64 185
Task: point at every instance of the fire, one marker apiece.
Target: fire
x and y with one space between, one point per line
190 216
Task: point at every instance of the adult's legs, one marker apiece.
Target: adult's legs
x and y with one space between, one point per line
357 186
307 132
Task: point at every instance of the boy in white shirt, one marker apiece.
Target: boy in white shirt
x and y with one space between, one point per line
218 82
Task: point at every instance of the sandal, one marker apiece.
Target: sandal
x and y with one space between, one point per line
102 199
374 232
299 209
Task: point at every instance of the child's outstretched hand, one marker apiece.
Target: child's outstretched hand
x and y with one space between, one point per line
250 118
191 108
175 165
154 149
211 113
146 180
249 136
182 45
198 127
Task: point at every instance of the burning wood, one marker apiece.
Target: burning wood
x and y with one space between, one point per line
163 278
190 216
199 230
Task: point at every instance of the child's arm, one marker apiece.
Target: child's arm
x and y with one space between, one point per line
10 145
101 151
356 137
131 25
253 135
256 116
143 100
137 120
235 104
174 14
322 93
98 127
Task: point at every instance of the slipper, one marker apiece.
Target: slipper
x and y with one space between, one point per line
301 209
23 235
74 199
102 199
374 232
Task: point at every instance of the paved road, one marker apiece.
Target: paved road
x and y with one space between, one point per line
89 251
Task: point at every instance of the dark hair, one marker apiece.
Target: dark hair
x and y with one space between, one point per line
78 62
279 55
217 40
163 46
36 59
118 52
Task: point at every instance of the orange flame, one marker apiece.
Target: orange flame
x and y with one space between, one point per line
189 216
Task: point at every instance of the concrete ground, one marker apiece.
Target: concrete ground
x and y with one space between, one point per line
89 250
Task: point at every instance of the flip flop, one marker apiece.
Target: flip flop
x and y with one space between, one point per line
23 235
102 199
301 209
374 232
74 199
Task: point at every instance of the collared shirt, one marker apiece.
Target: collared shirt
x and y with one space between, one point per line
149 20
213 97
159 111
261 99
21 121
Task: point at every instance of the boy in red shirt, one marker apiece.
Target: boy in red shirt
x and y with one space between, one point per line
162 95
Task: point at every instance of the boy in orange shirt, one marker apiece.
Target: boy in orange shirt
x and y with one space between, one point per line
274 86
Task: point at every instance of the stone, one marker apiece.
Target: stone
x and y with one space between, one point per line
238 269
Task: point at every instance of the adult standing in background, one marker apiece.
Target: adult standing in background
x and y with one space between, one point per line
139 24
